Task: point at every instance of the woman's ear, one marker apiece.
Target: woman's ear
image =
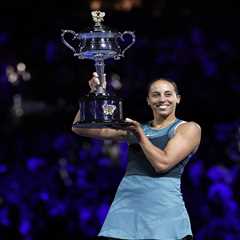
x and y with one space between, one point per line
148 101
178 98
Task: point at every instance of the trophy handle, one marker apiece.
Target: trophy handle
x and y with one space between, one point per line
75 35
121 36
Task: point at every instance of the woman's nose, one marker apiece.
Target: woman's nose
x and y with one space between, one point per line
161 99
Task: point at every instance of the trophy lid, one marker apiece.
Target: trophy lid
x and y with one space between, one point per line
97 17
98 30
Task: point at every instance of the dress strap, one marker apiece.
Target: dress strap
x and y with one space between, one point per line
173 127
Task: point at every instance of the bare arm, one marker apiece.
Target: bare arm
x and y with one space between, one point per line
184 142
99 133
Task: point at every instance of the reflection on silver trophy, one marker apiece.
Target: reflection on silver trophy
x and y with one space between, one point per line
99 108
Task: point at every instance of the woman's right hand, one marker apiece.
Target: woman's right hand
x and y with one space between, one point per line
94 82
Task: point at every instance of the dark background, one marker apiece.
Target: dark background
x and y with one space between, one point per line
57 185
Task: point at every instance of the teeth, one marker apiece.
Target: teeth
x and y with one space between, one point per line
162 106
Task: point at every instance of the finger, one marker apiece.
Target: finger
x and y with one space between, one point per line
133 122
95 74
129 120
96 80
92 87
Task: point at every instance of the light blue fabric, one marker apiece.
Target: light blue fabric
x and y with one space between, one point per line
148 206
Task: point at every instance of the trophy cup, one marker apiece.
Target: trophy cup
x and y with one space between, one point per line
99 109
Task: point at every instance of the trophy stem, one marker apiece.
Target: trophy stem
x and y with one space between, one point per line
99 65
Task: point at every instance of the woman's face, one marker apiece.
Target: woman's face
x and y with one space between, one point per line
162 98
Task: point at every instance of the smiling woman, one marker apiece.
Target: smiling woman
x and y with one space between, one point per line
162 98
148 203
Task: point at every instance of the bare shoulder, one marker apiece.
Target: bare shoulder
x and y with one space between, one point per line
189 127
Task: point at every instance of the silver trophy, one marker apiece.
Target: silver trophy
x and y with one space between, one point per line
99 109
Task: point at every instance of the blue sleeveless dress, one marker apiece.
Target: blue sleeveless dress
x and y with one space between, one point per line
148 205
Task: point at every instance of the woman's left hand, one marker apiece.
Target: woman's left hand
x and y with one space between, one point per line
135 128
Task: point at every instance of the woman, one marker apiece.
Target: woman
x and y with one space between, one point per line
148 203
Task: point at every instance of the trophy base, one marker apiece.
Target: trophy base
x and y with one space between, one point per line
115 125
101 111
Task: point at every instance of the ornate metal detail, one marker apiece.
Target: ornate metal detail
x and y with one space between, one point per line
98 17
108 109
